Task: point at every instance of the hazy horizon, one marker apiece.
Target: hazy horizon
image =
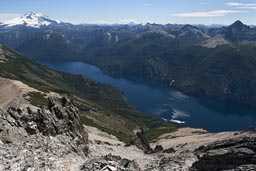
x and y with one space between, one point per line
144 11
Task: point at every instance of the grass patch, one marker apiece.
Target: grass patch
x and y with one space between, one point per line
38 99
154 133
199 132
121 136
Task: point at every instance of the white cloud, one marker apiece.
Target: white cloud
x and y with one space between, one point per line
103 22
248 7
128 21
236 4
241 5
215 13
8 16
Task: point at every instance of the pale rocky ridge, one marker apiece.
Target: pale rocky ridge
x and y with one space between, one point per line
214 42
32 138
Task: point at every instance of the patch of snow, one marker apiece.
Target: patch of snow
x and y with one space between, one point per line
31 19
109 36
58 21
117 39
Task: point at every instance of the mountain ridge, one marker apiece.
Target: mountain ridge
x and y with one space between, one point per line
152 51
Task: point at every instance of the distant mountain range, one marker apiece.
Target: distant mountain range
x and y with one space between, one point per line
38 20
81 39
217 63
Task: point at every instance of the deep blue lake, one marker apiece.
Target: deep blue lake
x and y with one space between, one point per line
167 103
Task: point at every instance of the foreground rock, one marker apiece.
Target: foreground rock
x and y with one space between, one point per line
141 142
55 139
237 154
180 153
38 139
110 163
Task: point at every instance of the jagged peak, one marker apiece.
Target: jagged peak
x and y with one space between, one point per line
33 14
189 26
238 24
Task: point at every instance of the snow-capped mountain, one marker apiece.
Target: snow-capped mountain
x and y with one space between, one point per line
30 19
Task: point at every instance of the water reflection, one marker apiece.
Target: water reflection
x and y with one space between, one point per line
166 103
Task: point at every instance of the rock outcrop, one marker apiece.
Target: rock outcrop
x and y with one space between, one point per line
141 142
110 163
37 139
238 154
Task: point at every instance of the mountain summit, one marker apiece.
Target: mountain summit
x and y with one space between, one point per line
30 19
238 25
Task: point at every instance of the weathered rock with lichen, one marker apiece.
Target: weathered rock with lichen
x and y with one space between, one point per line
237 154
39 139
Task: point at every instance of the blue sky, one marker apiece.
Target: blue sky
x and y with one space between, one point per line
140 11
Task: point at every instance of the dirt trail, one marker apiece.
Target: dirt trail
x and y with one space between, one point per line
9 93
12 92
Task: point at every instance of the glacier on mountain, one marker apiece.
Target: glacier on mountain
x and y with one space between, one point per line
30 19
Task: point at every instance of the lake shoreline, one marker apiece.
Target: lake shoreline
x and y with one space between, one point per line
164 102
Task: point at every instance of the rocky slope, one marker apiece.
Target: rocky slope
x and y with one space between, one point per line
54 138
185 150
37 139
232 154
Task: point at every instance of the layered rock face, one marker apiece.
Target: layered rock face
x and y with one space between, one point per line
236 154
38 139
